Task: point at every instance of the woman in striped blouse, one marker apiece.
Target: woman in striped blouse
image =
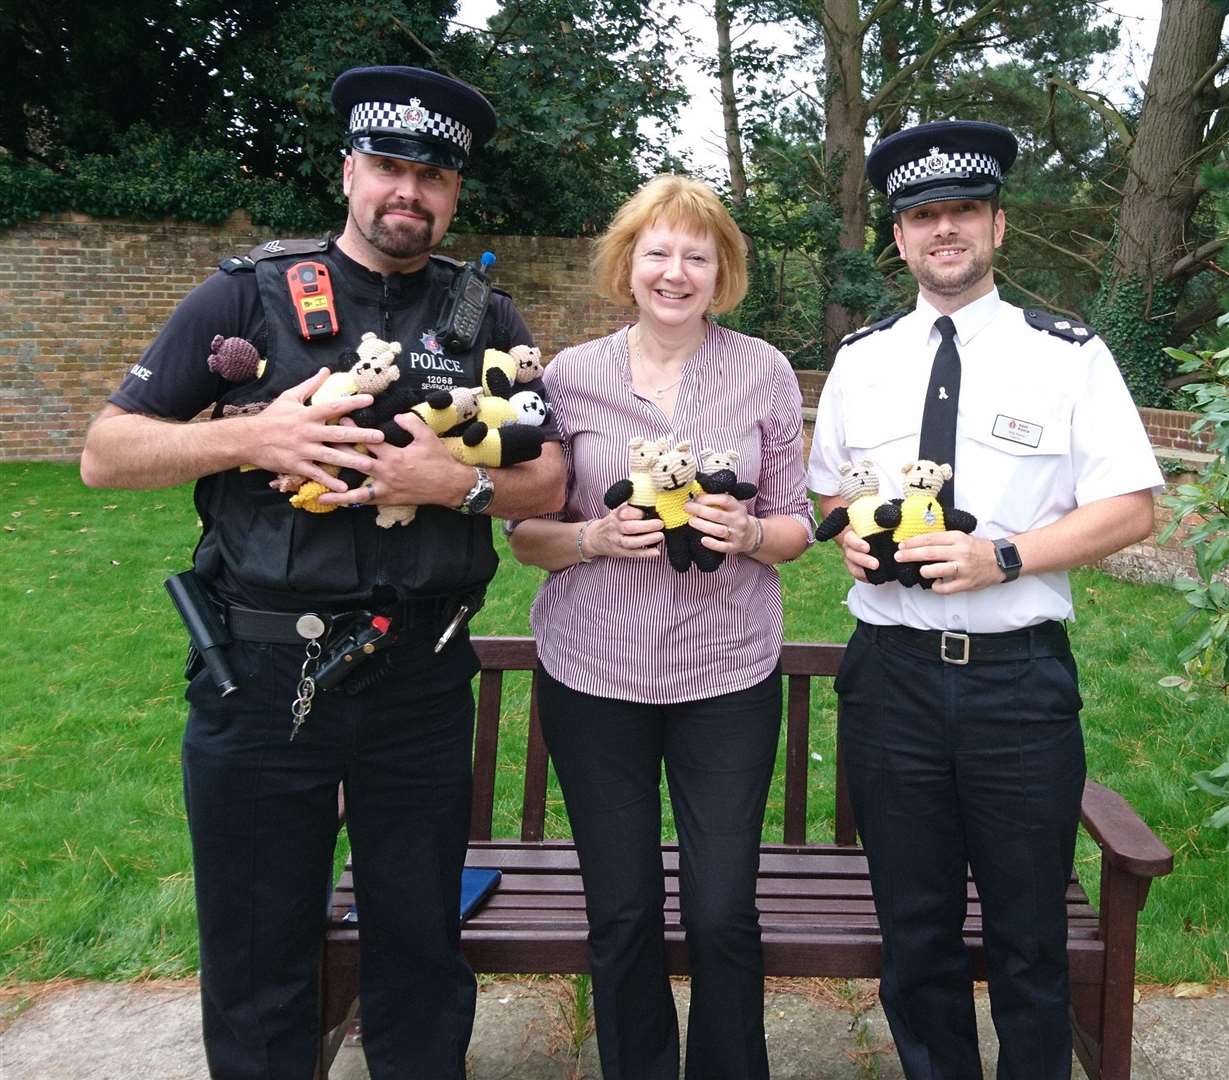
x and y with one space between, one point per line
641 663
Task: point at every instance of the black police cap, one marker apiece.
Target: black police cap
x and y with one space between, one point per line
412 113
950 159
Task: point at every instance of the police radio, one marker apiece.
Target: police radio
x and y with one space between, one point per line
311 292
465 305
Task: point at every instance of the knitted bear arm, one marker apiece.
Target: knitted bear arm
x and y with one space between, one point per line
888 514
833 525
960 520
617 494
744 490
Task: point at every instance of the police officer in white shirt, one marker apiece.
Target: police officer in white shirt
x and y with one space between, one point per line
959 725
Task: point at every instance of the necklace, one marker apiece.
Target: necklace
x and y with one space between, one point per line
633 341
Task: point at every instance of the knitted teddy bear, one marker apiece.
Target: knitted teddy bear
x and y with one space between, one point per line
719 478
860 490
920 512
501 371
372 372
235 359
673 473
637 490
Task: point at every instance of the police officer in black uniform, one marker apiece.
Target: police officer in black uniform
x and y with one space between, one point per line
289 584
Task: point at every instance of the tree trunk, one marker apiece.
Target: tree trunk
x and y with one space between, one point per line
1159 195
729 104
845 121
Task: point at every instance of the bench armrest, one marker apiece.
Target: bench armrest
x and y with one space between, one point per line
1125 840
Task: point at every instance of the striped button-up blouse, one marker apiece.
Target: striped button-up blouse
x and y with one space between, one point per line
635 629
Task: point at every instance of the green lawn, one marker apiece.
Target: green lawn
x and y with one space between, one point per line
94 863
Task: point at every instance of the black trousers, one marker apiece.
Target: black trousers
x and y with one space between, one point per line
262 812
952 768
719 756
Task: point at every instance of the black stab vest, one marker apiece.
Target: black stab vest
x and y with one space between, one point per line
259 551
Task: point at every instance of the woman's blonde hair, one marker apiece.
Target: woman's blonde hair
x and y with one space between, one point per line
682 204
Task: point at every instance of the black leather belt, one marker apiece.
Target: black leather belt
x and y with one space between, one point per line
295 627
1044 639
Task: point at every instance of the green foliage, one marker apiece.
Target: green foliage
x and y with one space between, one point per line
1206 504
152 175
1135 317
199 108
1202 508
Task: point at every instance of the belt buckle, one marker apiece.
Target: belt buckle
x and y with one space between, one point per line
949 635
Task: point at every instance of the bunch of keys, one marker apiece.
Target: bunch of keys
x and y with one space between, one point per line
310 627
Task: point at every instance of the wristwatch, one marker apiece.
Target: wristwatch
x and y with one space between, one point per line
480 495
1008 557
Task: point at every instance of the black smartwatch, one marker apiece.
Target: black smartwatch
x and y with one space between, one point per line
479 496
1008 557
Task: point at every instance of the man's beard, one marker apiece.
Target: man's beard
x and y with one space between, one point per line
406 241
940 284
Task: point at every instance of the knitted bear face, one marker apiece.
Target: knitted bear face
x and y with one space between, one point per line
528 362
717 460
641 454
858 480
530 408
674 469
375 369
925 478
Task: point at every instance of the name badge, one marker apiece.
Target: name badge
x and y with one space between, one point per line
1024 432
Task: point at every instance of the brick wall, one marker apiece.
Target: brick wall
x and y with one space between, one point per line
1171 429
80 298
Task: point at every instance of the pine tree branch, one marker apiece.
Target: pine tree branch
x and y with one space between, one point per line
941 43
1057 247
1100 105
1049 305
1190 263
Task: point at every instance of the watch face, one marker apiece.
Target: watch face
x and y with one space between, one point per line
480 495
480 501
1008 557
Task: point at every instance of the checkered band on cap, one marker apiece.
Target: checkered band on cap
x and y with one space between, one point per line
938 165
409 119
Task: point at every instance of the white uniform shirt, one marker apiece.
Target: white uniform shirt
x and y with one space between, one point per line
1044 426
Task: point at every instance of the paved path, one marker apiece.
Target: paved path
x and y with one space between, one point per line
817 1030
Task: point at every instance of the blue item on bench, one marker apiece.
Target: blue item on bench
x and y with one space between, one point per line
477 883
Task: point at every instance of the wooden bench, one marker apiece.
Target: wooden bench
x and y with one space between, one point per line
815 904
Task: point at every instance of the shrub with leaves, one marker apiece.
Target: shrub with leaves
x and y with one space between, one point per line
1203 508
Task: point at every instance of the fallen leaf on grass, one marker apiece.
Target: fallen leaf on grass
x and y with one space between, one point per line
1194 990
113 506
9 528
17 513
74 513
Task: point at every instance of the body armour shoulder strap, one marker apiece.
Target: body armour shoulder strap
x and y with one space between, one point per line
1060 326
875 327
272 248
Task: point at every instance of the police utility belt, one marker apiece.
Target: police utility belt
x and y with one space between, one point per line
951 647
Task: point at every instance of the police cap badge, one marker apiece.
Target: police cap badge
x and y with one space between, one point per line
951 159
412 113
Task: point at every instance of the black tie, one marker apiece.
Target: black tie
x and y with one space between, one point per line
938 439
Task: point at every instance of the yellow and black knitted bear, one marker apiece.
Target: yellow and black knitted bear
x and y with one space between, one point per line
719 478
920 512
637 488
673 473
860 490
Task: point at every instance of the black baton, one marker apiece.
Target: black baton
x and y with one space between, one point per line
200 618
